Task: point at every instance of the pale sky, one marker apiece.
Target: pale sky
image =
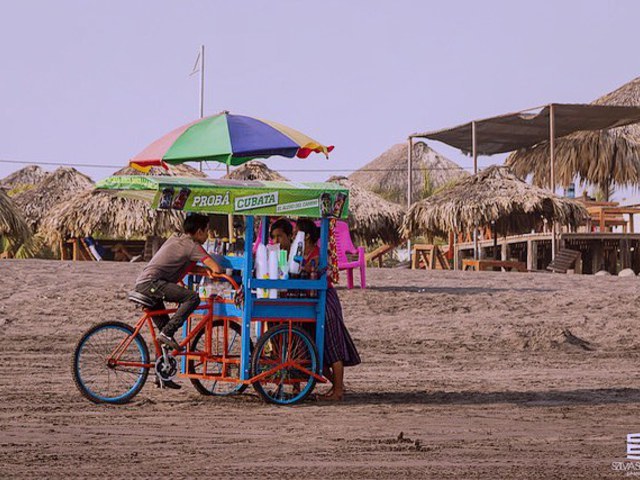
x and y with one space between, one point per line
94 82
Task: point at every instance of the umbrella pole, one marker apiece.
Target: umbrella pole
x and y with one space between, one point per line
495 242
230 219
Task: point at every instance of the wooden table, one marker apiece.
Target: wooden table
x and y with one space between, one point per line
611 216
487 265
428 255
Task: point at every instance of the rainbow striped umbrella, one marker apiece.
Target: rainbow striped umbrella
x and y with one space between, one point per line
229 139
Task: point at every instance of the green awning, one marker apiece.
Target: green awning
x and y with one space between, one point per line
302 199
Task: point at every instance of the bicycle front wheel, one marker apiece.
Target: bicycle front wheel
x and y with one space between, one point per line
284 359
100 378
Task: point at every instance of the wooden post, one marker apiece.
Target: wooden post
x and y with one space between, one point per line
474 151
534 255
602 222
552 148
505 250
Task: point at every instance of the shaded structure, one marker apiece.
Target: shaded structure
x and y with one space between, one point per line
505 133
23 179
371 217
603 157
387 174
112 218
493 198
255 170
55 189
12 224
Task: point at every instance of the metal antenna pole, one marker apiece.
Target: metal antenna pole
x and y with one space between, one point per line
552 147
409 186
201 86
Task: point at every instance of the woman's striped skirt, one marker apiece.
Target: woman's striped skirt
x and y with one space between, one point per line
338 344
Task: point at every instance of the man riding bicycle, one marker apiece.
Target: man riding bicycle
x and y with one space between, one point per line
159 279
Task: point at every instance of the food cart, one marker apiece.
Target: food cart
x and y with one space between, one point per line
287 329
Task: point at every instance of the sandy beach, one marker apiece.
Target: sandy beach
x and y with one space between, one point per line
464 375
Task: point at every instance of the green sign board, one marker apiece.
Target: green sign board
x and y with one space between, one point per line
235 197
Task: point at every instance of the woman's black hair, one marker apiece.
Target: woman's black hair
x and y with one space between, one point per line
307 226
284 225
195 222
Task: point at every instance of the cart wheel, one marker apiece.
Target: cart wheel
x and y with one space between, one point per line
234 347
286 384
101 382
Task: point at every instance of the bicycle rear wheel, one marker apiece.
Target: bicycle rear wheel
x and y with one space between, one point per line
233 351
284 352
102 381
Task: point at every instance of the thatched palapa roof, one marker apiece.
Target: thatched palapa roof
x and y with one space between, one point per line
387 174
603 158
23 179
98 212
12 224
493 195
371 217
255 170
56 188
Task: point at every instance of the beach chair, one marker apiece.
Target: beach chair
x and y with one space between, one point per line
345 247
565 259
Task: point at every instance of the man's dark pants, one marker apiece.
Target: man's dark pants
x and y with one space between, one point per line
164 291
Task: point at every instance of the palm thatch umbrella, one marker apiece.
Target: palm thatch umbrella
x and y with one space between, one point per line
255 170
56 188
12 224
387 174
23 179
98 212
493 196
371 217
603 158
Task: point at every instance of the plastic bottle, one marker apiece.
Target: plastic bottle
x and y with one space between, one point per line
296 254
202 288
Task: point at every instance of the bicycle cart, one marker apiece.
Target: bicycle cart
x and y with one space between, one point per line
235 338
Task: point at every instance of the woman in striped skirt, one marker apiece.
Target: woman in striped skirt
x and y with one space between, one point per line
339 349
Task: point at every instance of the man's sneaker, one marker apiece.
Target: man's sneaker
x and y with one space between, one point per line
167 384
169 341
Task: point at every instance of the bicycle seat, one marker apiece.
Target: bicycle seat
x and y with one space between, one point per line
141 299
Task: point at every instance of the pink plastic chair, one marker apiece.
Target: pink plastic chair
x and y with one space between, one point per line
345 246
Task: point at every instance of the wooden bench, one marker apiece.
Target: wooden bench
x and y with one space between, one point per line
428 257
565 259
485 265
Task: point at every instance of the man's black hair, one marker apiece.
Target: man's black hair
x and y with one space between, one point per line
307 226
195 222
284 225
